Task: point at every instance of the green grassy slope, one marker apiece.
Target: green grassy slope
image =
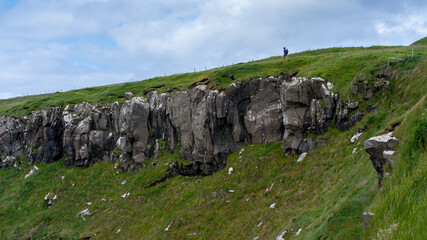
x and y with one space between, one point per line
324 195
422 41
338 65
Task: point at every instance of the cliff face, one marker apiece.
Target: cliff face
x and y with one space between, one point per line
203 125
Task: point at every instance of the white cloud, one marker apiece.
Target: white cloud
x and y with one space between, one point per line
400 24
53 45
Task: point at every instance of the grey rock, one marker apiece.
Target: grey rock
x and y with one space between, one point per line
353 105
375 147
307 106
372 107
367 217
8 162
358 89
356 117
129 95
203 125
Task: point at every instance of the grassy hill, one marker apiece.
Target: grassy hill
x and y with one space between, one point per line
422 41
267 193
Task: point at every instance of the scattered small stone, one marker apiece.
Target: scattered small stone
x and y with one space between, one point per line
230 170
89 203
385 233
83 213
298 232
50 201
231 190
280 237
273 205
72 184
301 157
269 189
129 95
241 151
32 171
355 137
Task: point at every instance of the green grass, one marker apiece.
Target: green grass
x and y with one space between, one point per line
403 200
422 41
341 67
324 195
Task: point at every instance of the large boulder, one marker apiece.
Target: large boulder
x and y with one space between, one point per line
378 148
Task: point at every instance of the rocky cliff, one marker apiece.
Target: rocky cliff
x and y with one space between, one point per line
203 125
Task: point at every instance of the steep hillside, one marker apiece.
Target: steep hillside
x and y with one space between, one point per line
261 193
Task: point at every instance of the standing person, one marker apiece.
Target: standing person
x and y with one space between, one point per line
285 53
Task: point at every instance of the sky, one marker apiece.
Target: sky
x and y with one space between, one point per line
59 45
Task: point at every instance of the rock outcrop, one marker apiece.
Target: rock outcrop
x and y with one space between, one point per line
203 125
380 150
308 106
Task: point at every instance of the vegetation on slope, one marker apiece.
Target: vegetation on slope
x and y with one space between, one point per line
422 41
324 195
401 208
338 65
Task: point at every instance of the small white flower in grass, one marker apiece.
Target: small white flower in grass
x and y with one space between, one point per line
119 230
62 179
231 190
167 229
89 203
354 150
123 182
259 224
273 205
256 238
230 170
299 232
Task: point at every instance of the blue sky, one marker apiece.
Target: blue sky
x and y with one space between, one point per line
48 46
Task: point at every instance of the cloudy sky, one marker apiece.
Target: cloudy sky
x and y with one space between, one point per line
58 45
